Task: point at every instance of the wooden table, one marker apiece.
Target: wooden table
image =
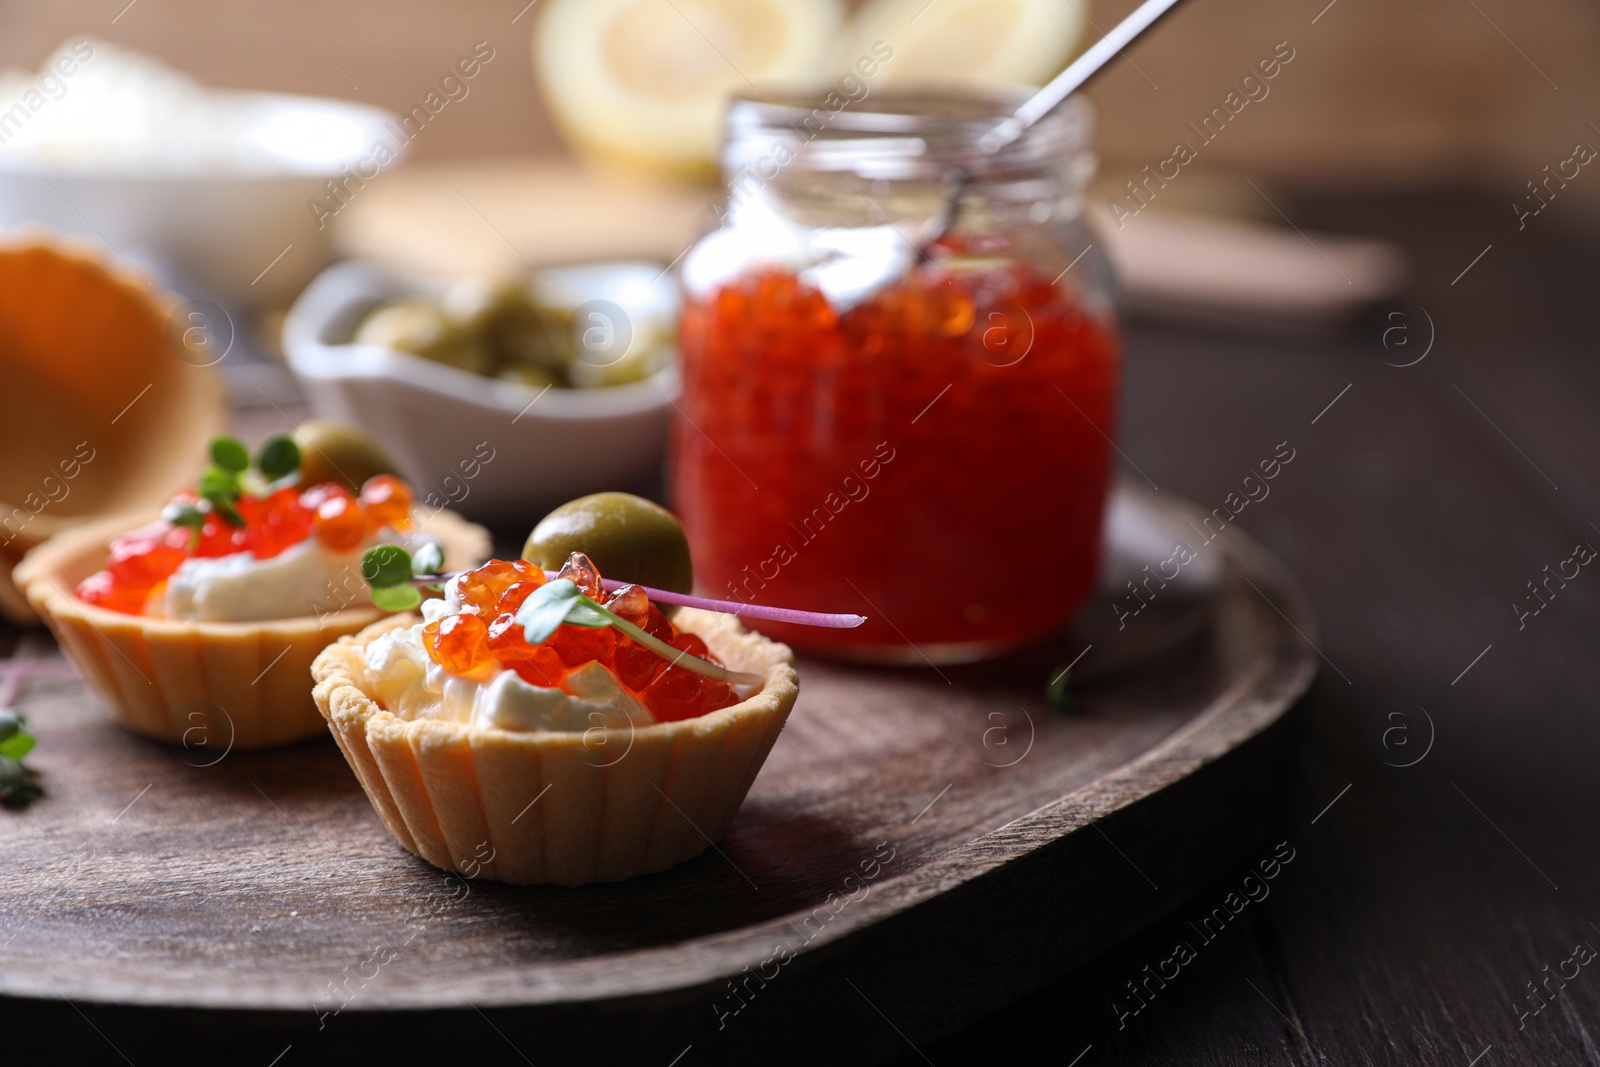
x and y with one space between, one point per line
1430 884
1441 829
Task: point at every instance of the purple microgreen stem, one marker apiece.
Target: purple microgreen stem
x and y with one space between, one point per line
675 656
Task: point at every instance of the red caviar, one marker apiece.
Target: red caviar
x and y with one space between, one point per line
488 583
103 591
492 593
387 501
275 523
142 561
139 563
458 643
936 457
340 523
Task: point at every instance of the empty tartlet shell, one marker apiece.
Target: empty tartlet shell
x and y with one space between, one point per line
93 355
559 808
209 686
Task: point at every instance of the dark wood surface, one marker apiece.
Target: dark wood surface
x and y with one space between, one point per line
1426 897
899 803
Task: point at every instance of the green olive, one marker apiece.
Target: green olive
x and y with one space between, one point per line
519 332
424 330
477 303
334 452
522 374
534 335
627 537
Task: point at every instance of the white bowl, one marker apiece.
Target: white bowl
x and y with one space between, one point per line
489 449
247 237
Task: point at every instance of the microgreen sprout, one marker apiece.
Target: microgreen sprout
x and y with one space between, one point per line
184 515
394 575
391 572
232 473
428 561
279 457
230 455
18 785
1058 691
560 601
431 577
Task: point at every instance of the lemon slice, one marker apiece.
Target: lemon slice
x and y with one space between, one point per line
645 82
973 42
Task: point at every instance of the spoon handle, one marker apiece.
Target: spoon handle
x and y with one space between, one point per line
1087 65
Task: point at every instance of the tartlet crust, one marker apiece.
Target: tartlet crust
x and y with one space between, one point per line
64 304
209 686
562 808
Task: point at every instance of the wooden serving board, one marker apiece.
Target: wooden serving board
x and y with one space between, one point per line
921 847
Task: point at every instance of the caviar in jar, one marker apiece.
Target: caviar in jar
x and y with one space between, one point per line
918 432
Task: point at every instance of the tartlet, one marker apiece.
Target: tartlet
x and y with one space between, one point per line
216 685
110 394
559 807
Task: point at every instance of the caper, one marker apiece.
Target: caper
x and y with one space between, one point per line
334 452
627 537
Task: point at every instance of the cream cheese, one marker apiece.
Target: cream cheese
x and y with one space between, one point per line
410 685
242 588
305 579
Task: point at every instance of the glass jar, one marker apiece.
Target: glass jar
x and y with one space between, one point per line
876 421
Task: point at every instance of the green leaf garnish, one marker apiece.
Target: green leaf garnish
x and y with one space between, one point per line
279 456
219 481
220 487
428 560
546 609
183 515
396 597
230 454
1059 693
588 613
223 505
386 567
388 570
229 476
18 785
17 745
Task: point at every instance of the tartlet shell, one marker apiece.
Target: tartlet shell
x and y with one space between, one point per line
620 803
111 347
209 686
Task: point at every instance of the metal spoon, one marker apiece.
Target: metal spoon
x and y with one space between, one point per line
1040 104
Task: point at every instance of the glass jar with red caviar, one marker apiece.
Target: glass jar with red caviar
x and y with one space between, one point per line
882 417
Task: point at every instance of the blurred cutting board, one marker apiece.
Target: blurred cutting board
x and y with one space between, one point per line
491 215
501 214
1209 268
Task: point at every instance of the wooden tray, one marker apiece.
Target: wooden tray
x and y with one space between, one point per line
922 846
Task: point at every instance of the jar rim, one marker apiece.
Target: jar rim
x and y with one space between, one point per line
919 133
